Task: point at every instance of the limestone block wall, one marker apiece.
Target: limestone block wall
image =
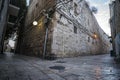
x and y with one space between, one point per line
33 39
33 36
68 43
66 38
35 9
117 16
114 20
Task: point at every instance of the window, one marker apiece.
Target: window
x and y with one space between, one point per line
75 29
88 39
75 9
60 16
37 5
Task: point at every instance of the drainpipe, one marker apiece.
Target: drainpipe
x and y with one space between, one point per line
46 36
48 14
45 42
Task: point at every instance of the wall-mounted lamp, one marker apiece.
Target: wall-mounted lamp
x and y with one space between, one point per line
95 36
35 23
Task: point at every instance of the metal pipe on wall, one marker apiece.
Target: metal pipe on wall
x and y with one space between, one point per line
45 42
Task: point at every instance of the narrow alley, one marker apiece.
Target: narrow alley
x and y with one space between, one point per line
97 67
59 39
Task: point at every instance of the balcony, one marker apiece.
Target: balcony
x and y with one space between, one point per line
13 10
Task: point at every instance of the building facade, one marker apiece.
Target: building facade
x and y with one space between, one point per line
114 21
6 9
3 20
72 29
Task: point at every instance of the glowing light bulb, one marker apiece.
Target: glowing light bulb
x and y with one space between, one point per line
35 23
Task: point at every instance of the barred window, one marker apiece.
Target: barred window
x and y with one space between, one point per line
88 39
75 29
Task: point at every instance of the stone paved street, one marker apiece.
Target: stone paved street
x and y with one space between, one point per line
18 67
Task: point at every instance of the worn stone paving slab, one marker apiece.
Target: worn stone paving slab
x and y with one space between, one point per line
19 67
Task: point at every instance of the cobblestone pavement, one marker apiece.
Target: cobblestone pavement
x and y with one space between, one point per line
18 67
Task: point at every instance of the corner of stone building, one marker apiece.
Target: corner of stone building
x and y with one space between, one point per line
51 29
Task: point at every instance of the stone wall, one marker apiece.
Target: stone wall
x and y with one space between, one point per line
71 33
68 43
114 20
33 36
112 23
117 16
3 21
114 17
117 25
35 9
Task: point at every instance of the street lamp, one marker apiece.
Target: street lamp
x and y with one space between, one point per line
35 23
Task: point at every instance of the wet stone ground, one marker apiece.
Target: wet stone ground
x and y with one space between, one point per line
19 67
